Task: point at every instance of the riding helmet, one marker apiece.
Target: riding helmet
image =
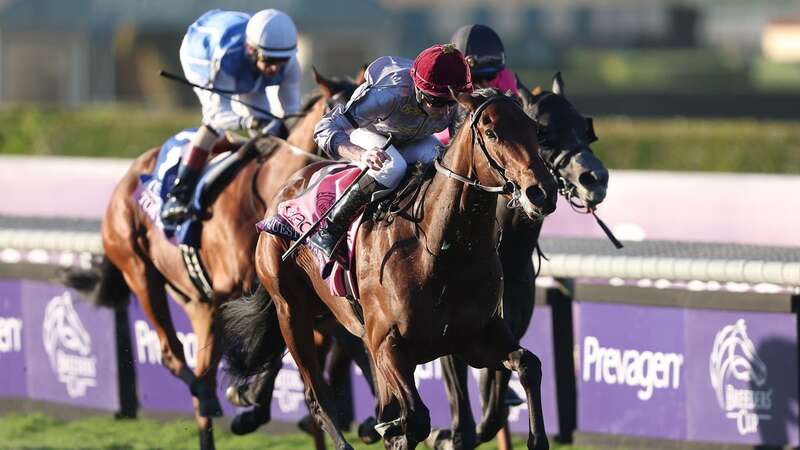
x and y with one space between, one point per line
440 68
482 49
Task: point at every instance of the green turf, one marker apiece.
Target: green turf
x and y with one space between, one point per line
699 145
625 143
38 431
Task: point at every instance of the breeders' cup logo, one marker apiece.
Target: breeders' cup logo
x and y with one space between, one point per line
68 346
737 374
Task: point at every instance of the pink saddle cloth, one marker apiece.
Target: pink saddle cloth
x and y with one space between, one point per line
295 216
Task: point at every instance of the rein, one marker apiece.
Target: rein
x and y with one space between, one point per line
330 103
508 187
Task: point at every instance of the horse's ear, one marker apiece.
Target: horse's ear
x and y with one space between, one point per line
558 85
464 99
362 74
524 93
323 83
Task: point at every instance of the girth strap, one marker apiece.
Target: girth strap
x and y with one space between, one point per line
197 272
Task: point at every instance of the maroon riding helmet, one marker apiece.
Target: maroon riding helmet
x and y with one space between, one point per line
440 68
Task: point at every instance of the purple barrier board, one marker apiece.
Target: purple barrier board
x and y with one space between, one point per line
630 371
12 350
698 375
159 390
429 380
70 348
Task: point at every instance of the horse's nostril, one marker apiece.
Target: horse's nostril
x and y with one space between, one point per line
535 194
588 178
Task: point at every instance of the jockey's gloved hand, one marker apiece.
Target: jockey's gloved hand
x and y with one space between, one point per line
373 158
272 127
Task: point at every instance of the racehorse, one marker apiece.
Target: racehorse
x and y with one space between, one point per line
429 285
140 259
564 137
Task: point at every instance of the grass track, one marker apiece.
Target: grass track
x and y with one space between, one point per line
41 432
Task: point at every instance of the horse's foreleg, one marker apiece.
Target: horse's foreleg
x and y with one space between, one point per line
529 368
495 347
204 386
462 433
404 419
493 388
297 327
148 286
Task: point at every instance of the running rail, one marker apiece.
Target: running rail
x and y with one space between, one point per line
36 240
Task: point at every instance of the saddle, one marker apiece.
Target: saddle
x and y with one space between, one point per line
295 216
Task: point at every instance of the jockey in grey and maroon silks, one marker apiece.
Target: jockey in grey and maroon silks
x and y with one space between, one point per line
409 100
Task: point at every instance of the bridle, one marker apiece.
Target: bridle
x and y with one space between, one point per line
508 187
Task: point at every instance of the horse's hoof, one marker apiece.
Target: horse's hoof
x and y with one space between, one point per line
248 421
538 444
439 439
237 395
366 431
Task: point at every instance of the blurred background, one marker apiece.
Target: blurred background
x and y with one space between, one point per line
79 77
677 90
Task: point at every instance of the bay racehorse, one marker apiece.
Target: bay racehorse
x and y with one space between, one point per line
429 286
139 258
564 136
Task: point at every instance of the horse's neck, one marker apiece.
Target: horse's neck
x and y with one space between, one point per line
283 162
458 214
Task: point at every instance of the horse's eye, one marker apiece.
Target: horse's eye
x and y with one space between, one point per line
490 134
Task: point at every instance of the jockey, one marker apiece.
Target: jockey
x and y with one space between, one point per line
410 101
240 55
485 54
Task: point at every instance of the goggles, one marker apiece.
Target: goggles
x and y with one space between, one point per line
434 102
257 55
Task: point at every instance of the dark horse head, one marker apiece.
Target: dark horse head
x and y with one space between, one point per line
564 139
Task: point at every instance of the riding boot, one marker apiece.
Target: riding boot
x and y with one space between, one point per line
327 238
176 208
218 178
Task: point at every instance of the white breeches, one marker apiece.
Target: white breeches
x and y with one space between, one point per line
423 150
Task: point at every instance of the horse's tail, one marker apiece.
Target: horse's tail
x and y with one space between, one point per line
252 334
102 285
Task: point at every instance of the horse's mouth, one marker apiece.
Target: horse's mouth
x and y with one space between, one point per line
591 197
534 213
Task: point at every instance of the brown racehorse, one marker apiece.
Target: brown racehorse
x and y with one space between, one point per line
428 287
138 256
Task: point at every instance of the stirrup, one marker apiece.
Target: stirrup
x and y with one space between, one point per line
174 211
326 242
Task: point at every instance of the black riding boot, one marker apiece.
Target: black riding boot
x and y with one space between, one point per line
327 238
176 208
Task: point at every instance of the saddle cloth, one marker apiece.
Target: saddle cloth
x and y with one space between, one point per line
295 216
153 189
